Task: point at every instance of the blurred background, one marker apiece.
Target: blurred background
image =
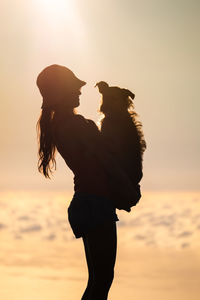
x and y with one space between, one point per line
150 47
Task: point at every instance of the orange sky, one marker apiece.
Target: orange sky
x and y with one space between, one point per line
151 47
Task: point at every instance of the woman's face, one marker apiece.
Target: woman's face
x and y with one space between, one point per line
70 89
70 99
59 87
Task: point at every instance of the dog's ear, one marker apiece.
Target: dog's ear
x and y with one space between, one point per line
102 86
128 93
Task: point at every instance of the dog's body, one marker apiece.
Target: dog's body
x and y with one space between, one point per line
123 136
123 141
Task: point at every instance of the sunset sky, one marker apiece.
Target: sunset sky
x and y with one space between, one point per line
150 47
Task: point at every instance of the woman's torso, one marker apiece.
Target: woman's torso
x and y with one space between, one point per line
74 138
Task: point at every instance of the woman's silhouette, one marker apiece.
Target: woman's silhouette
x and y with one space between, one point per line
91 212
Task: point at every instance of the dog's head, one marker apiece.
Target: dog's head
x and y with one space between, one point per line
114 99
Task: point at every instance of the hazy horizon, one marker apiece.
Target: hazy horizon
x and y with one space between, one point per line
157 256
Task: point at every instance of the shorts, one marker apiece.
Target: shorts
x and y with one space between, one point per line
87 212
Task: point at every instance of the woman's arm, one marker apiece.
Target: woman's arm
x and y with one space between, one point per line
84 133
96 145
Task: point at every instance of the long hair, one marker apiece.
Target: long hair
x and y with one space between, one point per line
46 142
54 83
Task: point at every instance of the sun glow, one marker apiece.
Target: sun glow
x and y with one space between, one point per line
56 24
60 16
58 10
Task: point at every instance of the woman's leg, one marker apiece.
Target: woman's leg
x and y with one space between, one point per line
90 271
100 247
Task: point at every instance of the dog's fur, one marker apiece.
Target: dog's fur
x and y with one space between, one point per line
121 130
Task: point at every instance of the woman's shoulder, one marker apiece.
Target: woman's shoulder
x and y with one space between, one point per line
70 122
82 119
87 123
78 118
76 126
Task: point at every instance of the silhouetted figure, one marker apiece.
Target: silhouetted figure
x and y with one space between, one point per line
123 135
91 212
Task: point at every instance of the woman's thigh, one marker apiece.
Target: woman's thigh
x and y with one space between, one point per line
101 247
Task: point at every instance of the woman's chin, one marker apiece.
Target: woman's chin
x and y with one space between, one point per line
77 104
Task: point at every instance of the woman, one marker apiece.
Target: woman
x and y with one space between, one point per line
91 213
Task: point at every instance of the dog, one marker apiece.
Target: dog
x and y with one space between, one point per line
123 136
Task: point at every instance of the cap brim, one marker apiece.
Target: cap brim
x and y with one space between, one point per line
82 83
79 82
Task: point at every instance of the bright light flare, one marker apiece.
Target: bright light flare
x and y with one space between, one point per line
58 21
58 10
